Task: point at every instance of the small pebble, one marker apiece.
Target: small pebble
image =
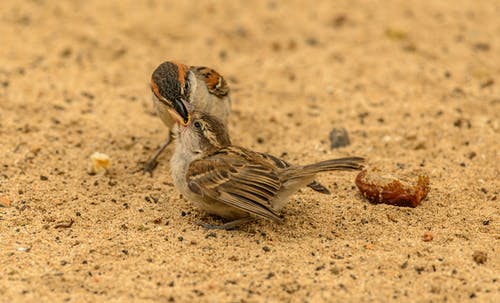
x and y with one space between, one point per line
25 249
339 138
4 202
480 257
427 237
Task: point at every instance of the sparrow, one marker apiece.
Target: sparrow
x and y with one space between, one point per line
234 182
178 86
198 86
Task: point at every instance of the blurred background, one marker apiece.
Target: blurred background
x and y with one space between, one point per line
414 83
338 58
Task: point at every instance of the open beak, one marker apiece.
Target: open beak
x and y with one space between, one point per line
178 109
179 112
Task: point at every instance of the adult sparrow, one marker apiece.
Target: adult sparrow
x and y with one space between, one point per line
200 87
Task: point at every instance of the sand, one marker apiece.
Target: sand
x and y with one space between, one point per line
415 84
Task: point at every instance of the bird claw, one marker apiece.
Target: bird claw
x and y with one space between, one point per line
150 166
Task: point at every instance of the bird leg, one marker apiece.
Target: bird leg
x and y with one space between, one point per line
152 163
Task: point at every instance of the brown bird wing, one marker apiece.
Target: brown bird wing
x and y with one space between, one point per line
246 185
216 84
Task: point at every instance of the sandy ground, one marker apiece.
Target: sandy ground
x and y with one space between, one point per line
415 83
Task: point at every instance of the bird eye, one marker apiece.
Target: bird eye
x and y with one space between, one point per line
197 125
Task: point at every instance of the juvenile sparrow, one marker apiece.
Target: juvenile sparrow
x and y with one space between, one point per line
178 86
200 87
234 182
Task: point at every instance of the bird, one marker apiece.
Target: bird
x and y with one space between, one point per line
200 88
234 182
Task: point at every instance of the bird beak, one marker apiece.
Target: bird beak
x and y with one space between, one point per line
179 112
182 110
178 109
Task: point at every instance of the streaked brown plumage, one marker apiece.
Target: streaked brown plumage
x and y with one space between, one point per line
234 182
179 86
